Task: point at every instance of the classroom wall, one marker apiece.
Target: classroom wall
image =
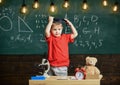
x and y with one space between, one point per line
18 36
98 27
17 69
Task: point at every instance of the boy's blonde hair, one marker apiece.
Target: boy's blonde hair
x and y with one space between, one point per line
57 23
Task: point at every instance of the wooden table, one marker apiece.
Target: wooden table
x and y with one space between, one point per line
54 80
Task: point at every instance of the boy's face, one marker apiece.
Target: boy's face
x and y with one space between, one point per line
56 30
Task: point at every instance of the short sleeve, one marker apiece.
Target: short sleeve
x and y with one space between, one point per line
47 38
69 38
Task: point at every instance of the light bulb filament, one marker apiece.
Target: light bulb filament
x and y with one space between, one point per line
105 3
115 7
1 1
24 9
36 4
66 4
85 6
52 7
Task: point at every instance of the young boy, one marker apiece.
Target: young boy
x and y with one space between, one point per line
58 53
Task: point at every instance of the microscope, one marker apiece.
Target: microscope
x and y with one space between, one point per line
45 65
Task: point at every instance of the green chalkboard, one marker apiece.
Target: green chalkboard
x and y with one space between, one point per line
98 27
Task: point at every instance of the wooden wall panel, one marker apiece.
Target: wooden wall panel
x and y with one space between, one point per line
17 69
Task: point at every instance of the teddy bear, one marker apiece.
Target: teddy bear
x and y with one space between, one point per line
90 68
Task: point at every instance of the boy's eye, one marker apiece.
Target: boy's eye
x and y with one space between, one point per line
54 29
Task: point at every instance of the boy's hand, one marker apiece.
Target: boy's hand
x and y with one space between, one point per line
51 19
74 31
68 22
48 27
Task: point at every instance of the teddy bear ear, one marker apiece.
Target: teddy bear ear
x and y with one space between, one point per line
95 60
87 58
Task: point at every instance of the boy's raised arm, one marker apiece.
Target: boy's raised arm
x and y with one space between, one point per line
48 27
74 31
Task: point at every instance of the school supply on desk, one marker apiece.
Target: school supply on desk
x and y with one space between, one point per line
38 77
45 63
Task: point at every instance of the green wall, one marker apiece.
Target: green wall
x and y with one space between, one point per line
98 27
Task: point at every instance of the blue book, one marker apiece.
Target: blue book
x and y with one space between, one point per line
38 78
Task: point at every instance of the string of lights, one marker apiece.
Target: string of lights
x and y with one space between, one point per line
66 5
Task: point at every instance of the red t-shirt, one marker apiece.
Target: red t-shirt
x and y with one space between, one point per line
58 52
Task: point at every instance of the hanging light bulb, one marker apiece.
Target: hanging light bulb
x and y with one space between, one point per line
66 4
36 4
24 8
85 5
115 7
105 3
1 1
52 7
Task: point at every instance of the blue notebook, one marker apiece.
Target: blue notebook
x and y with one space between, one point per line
38 78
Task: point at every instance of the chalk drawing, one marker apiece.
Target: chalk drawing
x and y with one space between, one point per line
9 25
20 29
21 38
94 18
85 30
42 39
97 30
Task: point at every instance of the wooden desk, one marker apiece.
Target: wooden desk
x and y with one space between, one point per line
54 81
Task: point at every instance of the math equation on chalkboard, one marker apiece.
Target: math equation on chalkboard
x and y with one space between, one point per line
19 32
